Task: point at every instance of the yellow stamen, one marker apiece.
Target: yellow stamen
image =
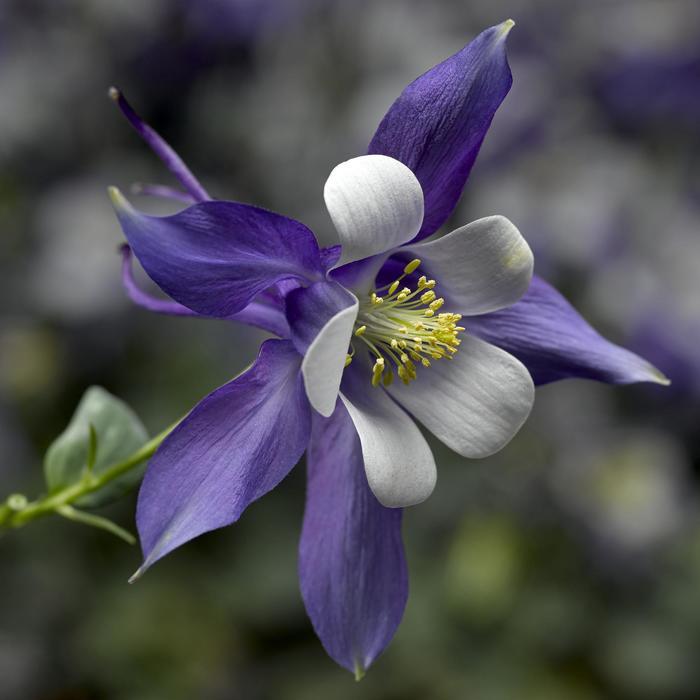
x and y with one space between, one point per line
403 329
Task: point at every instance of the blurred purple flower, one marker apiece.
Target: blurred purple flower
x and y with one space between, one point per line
349 319
242 19
653 90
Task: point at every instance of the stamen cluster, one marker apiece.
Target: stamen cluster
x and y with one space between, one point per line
403 328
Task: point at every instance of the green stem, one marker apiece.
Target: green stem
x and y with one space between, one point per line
55 502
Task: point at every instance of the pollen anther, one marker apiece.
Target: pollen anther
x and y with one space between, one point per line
412 266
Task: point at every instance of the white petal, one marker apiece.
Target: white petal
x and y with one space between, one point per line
323 364
398 461
484 266
376 204
474 403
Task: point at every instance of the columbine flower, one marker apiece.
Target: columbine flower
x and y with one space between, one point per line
373 333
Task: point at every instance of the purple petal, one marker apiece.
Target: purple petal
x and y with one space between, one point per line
439 121
554 342
161 148
257 313
352 568
216 257
236 445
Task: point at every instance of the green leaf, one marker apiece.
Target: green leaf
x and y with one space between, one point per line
92 448
103 431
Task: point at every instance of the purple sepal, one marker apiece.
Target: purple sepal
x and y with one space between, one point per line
352 567
161 148
554 342
258 313
308 309
216 257
439 121
236 445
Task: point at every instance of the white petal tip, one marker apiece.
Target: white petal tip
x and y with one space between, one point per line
475 404
359 671
658 377
404 492
401 501
119 201
137 575
323 408
319 399
505 27
399 463
375 203
482 267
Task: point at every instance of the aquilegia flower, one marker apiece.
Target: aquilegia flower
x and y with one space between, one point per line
381 330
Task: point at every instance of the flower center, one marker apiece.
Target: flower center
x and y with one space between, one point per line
403 328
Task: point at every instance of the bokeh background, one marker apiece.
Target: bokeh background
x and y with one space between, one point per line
568 566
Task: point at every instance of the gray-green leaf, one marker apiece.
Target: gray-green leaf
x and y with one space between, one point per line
103 430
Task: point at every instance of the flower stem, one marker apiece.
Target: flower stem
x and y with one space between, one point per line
15 513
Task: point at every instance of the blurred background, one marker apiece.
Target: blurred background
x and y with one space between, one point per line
568 566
